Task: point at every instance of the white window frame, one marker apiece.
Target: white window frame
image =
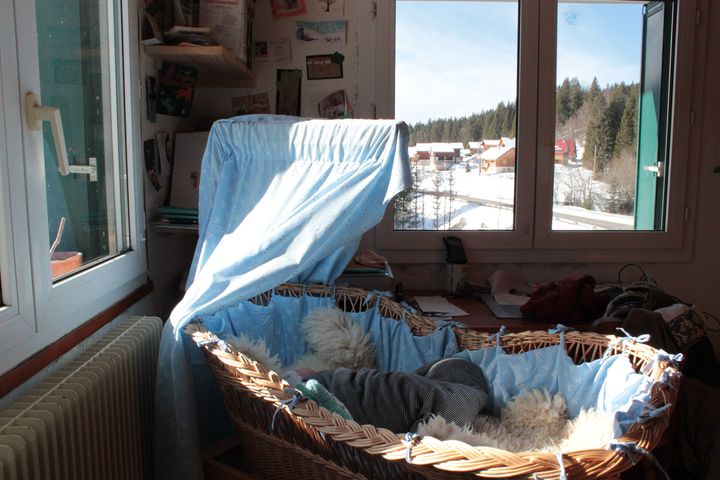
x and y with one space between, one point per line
35 310
533 240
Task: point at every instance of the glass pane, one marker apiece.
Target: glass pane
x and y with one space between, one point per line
456 87
602 68
86 213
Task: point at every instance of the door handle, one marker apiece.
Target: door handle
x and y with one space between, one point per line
36 114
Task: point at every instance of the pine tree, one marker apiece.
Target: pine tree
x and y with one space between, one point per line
627 135
594 90
563 102
596 135
613 119
577 95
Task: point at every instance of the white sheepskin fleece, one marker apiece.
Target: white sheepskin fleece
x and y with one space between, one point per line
336 342
257 351
532 421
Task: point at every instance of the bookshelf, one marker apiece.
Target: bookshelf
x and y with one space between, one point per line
217 66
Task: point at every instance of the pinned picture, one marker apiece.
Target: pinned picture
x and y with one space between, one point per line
329 6
320 67
273 51
287 101
259 103
335 105
331 31
287 8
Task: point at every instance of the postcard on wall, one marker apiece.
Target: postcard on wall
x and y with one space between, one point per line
321 67
151 98
329 6
335 105
276 50
152 166
331 31
287 101
175 90
287 8
248 104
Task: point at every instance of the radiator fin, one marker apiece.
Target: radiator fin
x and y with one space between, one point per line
92 418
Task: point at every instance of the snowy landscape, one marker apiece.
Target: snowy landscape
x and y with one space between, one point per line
462 198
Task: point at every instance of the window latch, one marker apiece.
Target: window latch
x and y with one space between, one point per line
36 114
657 169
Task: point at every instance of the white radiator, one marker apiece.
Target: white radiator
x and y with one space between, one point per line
93 418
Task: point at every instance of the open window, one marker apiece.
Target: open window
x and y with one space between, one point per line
591 97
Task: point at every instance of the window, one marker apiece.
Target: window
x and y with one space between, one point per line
70 237
539 126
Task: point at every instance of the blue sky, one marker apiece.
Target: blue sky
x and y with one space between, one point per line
454 58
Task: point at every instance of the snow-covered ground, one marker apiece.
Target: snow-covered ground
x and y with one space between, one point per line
486 201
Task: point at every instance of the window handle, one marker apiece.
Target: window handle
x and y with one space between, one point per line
656 169
36 114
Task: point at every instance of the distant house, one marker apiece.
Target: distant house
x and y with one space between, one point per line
565 151
498 156
422 150
442 155
458 148
475 147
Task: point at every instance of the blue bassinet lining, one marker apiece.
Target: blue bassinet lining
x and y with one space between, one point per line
608 384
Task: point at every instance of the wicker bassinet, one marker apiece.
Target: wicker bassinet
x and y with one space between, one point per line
310 442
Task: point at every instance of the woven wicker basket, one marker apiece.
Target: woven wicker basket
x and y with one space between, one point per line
311 442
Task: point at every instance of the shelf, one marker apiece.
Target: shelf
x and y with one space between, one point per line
216 65
182 228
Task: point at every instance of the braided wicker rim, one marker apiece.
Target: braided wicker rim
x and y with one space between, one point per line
243 373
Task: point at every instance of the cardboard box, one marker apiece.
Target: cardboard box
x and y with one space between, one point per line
230 24
189 151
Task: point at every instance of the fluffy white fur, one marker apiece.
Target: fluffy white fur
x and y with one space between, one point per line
531 421
334 339
257 351
336 342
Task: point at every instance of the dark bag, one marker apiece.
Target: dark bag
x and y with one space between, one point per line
569 300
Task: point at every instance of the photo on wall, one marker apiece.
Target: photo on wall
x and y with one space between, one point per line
329 6
249 104
176 87
287 100
287 8
276 50
320 67
335 105
330 31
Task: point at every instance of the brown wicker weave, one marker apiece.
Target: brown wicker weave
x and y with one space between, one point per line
311 442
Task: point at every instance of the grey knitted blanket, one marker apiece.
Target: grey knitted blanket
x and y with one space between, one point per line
452 388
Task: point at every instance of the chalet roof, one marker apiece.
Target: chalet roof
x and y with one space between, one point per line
438 147
496 152
475 145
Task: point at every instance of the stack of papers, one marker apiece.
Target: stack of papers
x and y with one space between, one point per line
439 305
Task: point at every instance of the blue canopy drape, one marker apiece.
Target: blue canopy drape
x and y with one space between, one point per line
282 199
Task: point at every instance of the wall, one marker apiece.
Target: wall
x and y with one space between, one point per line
358 68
